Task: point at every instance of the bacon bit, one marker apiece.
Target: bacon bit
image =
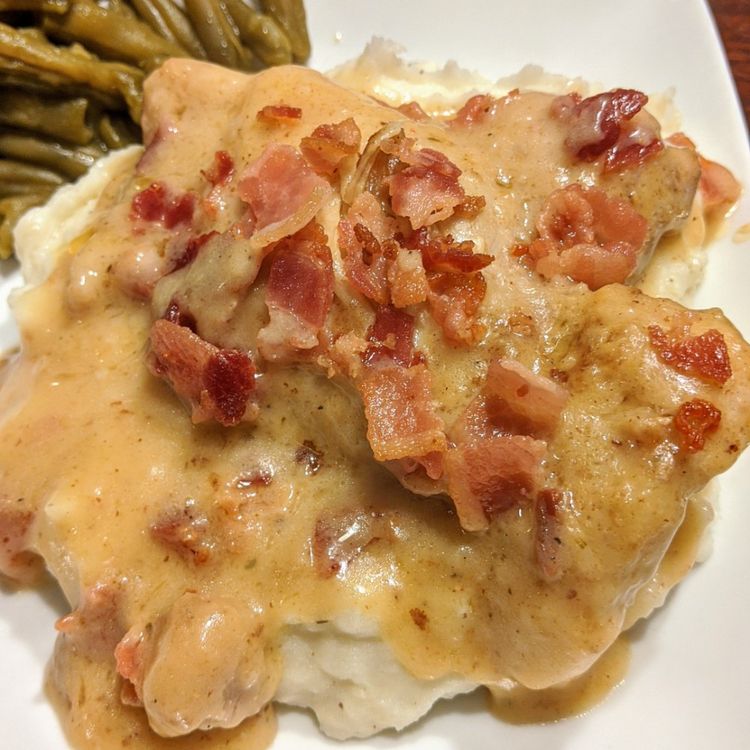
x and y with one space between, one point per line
704 356
445 255
130 660
629 152
407 279
16 561
192 246
365 265
490 476
547 539
186 532
368 211
520 401
470 207
299 293
156 204
400 412
426 191
261 477
175 314
308 455
475 111
419 617
275 114
221 171
96 625
454 301
587 235
280 184
328 145
339 538
694 421
413 111
391 338
218 383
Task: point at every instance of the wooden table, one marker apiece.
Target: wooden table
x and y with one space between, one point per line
733 20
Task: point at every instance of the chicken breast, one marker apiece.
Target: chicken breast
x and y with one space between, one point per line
316 360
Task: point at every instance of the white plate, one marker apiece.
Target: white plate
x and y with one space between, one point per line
686 688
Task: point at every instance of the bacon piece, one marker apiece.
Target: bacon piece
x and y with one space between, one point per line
391 338
97 624
547 541
367 210
704 356
190 250
339 538
16 560
175 314
310 457
400 412
365 260
275 114
328 145
218 383
445 255
156 204
476 110
520 401
471 206
413 111
407 279
587 235
184 531
299 293
282 191
490 476
427 190
221 171
694 421
454 301
130 658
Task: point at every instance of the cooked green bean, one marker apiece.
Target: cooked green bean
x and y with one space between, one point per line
71 163
38 6
112 32
17 172
265 38
115 132
11 210
214 28
62 118
169 21
26 49
291 17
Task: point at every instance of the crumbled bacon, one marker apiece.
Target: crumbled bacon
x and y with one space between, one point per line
548 543
419 618
96 625
407 280
328 145
218 383
400 412
694 421
587 235
221 171
391 337
280 184
454 301
156 204
309 456
175 314
490 476
299 293
427 190
365 260
16 561
445 255
413 111
476 110
278 114
184 530
704 356
190 250
471 206
603 125
130 657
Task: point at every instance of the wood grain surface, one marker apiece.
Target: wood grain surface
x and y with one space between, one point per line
733 20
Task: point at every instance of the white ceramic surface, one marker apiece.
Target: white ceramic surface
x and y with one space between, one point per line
686 689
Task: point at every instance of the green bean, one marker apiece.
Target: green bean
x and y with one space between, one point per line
28 52
115 132
290 15
214 28
71 163
37 6
11 210
17 172
168 20
265 38
112 32
64 119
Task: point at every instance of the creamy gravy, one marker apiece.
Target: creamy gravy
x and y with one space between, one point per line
114 450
